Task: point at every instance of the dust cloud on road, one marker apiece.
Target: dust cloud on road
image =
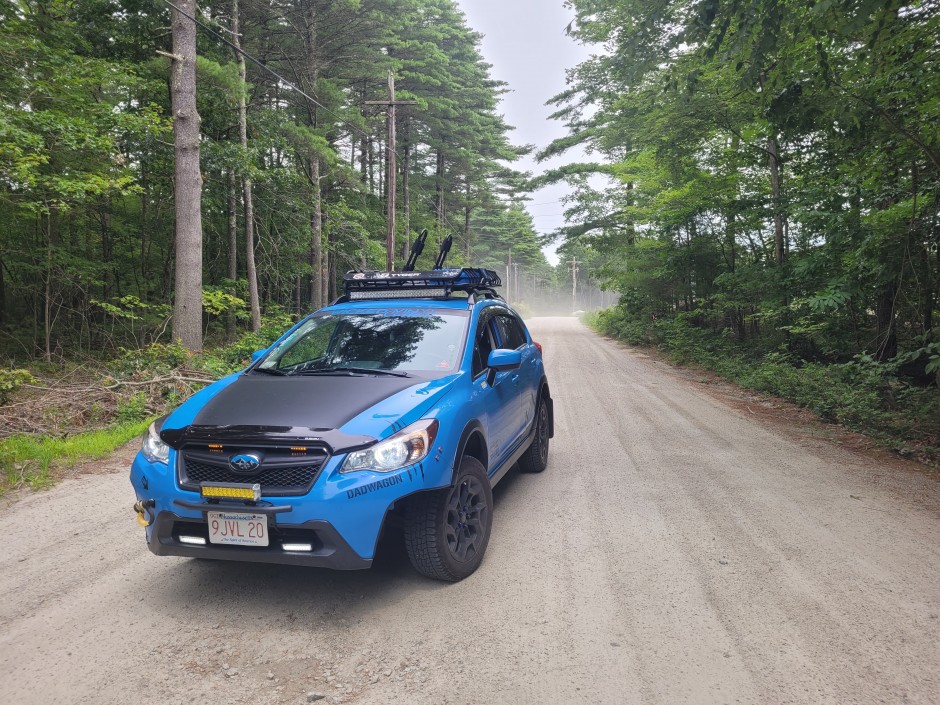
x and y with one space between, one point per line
674 551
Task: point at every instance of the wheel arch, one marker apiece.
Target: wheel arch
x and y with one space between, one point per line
546 395
473 443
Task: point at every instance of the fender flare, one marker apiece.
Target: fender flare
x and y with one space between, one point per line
545 393
473 427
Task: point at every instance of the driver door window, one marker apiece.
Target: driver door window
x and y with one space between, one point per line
482 347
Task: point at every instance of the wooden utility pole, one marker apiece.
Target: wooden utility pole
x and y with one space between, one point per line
574 284
390 183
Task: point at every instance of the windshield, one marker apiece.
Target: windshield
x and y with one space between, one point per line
382 339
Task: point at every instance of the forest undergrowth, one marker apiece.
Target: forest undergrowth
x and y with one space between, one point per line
53 416
877 399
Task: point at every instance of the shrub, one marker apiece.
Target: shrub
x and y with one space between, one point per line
10 381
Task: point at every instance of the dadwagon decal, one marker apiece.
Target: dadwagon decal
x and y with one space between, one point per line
373 486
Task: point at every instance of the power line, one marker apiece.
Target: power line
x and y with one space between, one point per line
279 77
271 71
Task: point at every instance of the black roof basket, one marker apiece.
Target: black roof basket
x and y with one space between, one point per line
438 283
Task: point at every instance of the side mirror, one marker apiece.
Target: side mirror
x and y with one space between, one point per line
502 360
257 355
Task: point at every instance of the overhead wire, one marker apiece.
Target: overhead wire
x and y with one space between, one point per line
289 84
207 28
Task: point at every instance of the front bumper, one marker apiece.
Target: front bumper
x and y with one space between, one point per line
328 548
342 515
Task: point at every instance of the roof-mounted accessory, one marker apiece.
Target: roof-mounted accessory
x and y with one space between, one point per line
416 251
442 253
360 286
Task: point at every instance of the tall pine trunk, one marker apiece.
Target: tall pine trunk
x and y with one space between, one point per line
405 196
231 270
187 307
254 302
773 150
439 187
317 276
466 222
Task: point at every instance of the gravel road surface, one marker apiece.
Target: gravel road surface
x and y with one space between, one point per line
676 550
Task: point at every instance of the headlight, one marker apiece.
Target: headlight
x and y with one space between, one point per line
155 450
406 447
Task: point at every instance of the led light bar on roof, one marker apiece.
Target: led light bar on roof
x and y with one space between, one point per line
401 294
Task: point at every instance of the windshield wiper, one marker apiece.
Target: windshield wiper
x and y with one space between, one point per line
352 370
268 371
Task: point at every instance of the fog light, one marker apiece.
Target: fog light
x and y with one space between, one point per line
194 540
304 547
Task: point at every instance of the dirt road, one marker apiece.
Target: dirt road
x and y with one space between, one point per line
675 551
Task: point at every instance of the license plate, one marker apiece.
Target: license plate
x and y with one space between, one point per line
238 529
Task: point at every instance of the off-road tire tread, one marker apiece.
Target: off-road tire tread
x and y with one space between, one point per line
423 540
421 537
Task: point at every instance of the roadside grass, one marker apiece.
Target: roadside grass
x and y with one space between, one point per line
32 461
862 395
73 412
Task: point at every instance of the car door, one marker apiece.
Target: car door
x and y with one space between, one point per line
511 336
499 399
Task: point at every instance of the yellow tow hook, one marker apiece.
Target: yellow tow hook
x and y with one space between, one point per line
144 515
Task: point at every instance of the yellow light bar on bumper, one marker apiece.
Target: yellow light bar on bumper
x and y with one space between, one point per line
224 490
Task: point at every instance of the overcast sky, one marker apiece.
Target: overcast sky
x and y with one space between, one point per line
525 41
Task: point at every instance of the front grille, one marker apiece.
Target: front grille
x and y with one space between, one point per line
282 471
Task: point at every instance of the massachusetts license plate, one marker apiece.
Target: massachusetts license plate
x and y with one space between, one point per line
238 529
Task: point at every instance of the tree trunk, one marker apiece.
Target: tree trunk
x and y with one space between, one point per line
363 160
231 270
439 187
329 280
47 287
466 223
187 307
254 302
887 338
405 196
371 160
3 295
316 236
773 150
316 219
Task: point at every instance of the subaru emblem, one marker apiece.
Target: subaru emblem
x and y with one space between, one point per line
245 462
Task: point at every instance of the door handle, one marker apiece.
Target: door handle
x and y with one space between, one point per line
515 379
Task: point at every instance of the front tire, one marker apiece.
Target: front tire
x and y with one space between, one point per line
447 531
535 459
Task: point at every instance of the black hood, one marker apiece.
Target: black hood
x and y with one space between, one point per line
318 403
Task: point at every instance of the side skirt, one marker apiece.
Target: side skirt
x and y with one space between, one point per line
501 471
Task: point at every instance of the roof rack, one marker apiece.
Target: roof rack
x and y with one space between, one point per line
437 283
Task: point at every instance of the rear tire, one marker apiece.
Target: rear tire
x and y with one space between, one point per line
535 458
447 531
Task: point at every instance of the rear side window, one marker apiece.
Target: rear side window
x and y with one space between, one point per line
511 334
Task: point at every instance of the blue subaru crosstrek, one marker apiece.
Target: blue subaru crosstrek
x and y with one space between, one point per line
407 399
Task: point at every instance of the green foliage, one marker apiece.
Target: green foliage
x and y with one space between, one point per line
87 250
685 109
157 358
133 409
216 302
11 380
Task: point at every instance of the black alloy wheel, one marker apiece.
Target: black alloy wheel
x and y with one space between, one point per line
447 531
467 512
